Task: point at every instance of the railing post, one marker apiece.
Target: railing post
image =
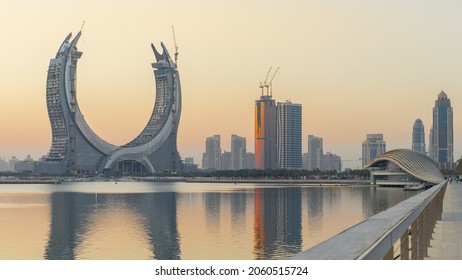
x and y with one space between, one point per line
404 246
414 240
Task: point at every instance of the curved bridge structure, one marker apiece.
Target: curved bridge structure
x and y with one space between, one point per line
76 148
416 165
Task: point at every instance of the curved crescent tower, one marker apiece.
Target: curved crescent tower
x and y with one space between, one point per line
75 147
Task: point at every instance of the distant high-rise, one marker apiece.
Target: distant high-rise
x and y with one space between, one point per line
226 163
265 133
418 137
249 161
238 152
212 156
442 136
331 162
289 135
315 152
372 147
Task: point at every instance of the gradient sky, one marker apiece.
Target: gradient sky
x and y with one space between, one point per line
357 67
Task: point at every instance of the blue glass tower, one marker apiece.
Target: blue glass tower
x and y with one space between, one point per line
418 137
443 135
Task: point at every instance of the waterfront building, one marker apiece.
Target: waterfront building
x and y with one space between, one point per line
212 153
189 165
265 133
404 168
418 137
76 148
3 165
305 158
238 152
226 162
249 161
289 135
315 152
12 162
189 160
431 154
331 162
443 136
372 147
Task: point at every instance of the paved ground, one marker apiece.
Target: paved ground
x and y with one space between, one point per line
446 243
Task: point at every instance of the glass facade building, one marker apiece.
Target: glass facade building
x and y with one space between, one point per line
289 135
315 152
442 136
372 147
418 137
265 133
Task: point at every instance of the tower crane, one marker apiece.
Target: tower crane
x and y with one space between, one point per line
264 84
269 86
176 46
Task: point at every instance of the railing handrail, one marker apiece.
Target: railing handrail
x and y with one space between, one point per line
374 237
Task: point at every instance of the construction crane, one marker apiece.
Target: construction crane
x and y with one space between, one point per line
269 87
176 46
264 84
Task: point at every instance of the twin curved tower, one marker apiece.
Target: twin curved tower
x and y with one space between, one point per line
76 148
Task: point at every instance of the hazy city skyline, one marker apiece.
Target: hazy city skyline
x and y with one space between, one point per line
356 67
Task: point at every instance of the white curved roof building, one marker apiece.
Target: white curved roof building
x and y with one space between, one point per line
403 167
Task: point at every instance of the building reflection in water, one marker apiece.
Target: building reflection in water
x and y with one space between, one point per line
246 223
72 213
277 223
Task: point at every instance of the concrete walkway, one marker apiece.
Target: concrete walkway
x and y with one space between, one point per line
446 243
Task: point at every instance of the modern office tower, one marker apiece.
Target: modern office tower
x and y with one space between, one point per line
265 133
12 162
238 152
305 158
212 153
372 147
331 162
226 163
418 137
249 161
431 154
315 152
76 148
289 135
443 136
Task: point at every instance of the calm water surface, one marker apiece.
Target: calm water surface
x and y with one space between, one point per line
137 220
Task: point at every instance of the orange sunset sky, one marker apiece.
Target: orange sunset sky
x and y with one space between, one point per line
357 67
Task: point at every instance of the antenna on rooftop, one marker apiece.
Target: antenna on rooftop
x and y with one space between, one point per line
81 28
176 46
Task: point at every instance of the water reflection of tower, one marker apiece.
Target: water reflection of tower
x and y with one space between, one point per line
71 216
314 197
212 209
238 209
159 209
277 223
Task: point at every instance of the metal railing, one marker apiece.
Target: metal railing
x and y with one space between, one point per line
400 232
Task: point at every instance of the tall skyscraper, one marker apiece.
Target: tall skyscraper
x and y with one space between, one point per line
289 135
418 137
238 152
372 147
265 133
212 157
315 152
443 137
